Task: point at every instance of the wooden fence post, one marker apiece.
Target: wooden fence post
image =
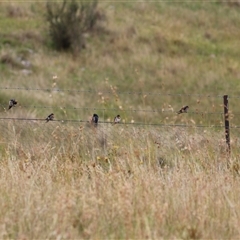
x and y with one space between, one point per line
226 119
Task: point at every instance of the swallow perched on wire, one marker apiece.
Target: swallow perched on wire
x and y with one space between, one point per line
95 119
117 119
49 117
12 103
183 110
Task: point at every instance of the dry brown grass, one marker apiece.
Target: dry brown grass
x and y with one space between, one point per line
70 181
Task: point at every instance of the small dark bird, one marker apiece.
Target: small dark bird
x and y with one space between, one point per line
183 110
117 119
49 117
12 103
95 119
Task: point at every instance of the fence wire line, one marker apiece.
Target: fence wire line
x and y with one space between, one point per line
117 109
121 123
113 92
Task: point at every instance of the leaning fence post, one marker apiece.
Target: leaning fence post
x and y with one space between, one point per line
226 119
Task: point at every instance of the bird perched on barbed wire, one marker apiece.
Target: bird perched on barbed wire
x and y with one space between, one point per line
94 119
117 119
183 110
49 117
12 103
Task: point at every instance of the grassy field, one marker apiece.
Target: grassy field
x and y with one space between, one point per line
72 182
158 47
67 180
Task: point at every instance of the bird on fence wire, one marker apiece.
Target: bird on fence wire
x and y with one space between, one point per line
49 117
94 119
183 110
117 119
12 103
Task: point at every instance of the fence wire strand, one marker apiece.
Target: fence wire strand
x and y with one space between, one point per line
111 123
115 109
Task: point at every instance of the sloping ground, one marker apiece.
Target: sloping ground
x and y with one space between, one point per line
186 48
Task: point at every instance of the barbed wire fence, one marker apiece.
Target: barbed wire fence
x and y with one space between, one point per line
224 114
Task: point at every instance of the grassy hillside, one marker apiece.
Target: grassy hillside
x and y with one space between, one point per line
67 179
166 47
